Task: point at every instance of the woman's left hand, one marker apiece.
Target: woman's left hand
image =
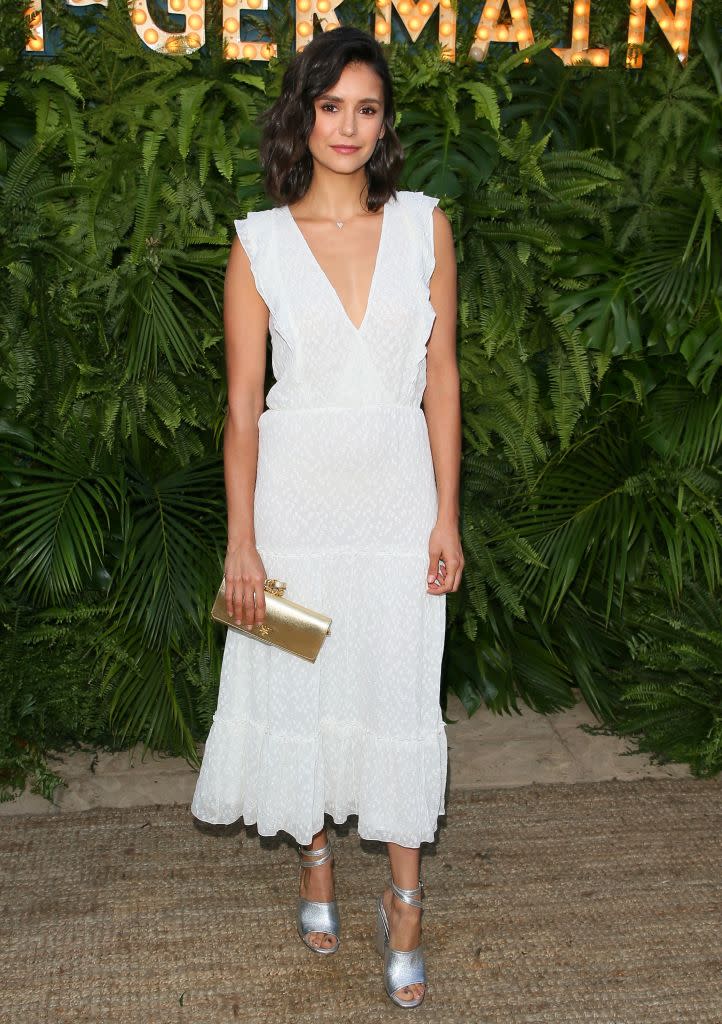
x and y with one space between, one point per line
446 559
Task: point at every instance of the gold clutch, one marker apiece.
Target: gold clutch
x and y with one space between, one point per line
287 625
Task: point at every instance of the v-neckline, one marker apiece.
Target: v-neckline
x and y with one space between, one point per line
324 275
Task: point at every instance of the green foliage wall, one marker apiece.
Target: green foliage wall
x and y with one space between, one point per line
586 206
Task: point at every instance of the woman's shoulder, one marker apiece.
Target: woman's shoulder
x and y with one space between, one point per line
256 218
253 227
420 213
420 200
419 206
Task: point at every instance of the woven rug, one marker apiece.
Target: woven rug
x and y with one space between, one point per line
546 903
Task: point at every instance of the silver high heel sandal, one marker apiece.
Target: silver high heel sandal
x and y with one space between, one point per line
314 915
401 967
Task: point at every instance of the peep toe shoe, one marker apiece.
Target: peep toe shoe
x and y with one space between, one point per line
401 967
314 915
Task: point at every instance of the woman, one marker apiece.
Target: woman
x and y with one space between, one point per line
345 489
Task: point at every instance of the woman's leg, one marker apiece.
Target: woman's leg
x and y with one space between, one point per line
317 884
404 920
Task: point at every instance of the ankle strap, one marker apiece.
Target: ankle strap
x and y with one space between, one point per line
407 895
319 856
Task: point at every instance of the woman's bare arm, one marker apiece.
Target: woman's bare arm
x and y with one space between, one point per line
442 407
245 318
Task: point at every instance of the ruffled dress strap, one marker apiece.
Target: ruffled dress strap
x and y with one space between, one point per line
424 206
252 231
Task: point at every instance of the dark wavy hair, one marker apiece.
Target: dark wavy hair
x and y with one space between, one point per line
285 157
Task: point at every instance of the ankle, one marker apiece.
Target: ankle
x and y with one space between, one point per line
404 912
317 880
400 908
317 842
407 897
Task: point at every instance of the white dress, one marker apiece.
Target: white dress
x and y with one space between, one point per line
344 504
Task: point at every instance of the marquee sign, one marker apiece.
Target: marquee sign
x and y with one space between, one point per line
675 27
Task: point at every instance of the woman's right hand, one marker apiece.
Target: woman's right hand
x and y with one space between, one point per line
245 576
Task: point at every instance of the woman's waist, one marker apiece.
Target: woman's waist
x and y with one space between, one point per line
387 409
368 431
370 445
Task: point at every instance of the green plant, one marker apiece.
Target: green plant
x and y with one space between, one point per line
671 688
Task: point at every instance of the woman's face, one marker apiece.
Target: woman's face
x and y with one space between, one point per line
349 120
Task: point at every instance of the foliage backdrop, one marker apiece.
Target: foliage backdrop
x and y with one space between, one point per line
586 207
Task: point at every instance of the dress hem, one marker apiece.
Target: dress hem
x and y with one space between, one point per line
216 803
338 818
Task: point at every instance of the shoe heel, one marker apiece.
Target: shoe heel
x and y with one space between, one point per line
380 929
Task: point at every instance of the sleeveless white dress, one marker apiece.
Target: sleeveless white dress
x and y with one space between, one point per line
344 504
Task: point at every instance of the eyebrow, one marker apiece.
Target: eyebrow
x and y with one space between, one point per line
339 99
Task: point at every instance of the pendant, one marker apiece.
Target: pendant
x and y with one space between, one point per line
339 223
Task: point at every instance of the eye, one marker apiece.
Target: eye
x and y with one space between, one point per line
328 105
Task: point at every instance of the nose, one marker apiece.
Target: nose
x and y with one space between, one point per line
349 125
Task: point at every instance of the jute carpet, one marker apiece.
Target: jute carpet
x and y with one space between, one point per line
548 903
